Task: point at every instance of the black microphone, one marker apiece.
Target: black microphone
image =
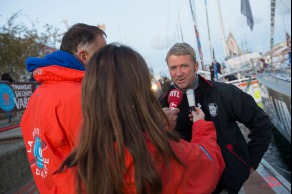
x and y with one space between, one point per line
191 99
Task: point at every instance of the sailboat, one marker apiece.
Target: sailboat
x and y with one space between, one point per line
275 82
270 87
274 75
238 67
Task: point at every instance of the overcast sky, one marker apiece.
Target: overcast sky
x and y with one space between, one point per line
151 27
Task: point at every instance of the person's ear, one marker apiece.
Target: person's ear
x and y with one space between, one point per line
83 56
196 66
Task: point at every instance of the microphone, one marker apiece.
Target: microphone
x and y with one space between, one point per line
175 97
191 99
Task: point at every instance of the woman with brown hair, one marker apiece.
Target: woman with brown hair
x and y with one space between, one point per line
124 146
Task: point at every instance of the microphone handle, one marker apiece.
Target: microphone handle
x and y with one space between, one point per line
192 108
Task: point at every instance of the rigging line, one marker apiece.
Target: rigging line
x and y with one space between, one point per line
181 34
176 33
180 30
177 38
167 28
192 6
176 30
208 26
179 27
194 20
223 39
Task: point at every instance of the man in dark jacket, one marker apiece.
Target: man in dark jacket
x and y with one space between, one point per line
225 105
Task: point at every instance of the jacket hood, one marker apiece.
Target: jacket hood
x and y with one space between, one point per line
58 58
53 74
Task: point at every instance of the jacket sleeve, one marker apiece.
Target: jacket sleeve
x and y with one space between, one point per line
203 159
245 110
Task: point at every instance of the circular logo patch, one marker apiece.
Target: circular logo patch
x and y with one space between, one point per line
6 98
213 109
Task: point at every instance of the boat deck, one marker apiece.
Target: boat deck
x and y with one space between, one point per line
281 86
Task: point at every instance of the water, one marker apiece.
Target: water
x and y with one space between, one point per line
278 155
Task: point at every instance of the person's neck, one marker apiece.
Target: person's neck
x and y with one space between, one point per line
194 85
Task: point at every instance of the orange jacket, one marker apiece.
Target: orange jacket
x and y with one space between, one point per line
202 158
50 124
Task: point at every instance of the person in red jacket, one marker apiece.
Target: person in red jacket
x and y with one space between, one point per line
124 146
51 122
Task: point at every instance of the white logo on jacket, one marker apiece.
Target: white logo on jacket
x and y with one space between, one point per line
213 109
36 147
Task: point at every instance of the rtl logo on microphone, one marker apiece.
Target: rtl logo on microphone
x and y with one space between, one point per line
175 93
174 98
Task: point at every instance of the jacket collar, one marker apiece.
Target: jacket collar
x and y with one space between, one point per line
205 81
205 85
58 58
194 85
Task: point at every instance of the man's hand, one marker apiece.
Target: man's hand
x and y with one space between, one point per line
198 114
172 115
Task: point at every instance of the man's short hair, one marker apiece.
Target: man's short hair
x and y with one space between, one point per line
181 49
80 36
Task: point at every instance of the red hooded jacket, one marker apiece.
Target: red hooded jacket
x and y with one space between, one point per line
50 124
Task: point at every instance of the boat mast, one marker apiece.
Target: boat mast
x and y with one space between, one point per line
226 51
273 9
211 53
192 6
